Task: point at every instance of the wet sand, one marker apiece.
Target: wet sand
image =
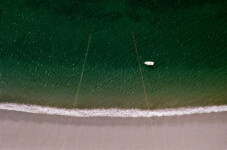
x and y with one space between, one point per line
26 131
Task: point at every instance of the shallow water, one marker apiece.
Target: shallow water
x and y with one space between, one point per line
43 44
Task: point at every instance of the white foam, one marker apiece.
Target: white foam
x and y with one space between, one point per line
113 112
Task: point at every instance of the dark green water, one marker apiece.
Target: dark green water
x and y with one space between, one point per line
43 43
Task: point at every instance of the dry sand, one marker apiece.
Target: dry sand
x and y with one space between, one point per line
26 131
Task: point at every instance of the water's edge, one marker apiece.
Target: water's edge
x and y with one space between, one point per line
113 112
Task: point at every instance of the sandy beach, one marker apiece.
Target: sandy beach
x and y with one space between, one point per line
27 131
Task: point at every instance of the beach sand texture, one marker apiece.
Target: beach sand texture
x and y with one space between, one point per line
26 131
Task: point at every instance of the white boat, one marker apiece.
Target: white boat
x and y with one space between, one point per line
149 63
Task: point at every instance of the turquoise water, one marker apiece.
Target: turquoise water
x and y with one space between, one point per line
43 44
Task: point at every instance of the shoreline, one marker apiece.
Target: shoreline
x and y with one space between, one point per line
28 131
113 112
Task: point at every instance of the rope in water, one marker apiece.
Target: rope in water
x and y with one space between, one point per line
81 77
145 94
77 93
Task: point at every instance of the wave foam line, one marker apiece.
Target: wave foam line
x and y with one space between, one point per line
113 112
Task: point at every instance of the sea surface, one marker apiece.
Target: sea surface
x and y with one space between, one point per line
43 45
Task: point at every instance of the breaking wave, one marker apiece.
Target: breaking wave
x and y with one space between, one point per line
113 112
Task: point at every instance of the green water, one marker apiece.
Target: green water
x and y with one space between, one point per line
43 43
